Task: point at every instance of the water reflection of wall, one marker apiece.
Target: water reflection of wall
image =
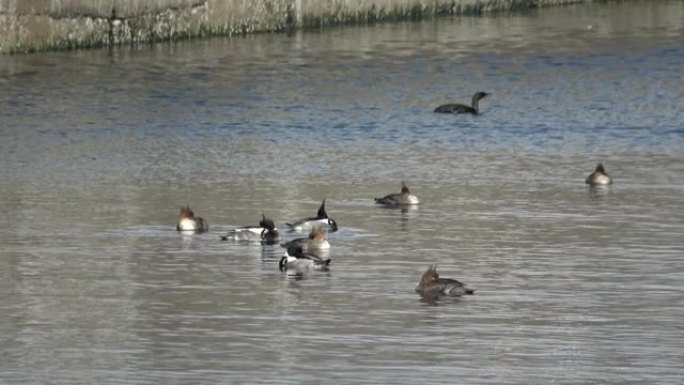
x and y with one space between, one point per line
27 25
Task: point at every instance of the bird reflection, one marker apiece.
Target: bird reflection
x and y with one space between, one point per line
437 300
598 191
294 276
270 254
187 239
407 213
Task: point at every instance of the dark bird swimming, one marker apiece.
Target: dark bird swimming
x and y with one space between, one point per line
455 108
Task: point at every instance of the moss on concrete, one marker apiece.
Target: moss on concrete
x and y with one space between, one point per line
32 25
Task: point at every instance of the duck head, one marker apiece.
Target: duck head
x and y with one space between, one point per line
282 265
294 252
332 224
404 188
480 95
186 213
322 214
266 223
291 255
429 277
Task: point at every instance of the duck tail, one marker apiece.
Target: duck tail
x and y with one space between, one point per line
470 291
203 225
382 201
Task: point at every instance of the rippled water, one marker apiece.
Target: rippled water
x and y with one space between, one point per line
99 150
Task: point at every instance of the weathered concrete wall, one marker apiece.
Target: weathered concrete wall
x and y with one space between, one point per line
29 25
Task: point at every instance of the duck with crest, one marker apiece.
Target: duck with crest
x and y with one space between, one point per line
187 221
321 219
431 285
599 177
266 232
400 199
455 108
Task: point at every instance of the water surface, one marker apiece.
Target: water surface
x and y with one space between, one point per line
99 149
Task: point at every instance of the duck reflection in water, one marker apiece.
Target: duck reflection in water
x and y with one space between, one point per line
438 300
598 192
294 276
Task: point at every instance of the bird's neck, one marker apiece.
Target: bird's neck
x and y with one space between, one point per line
476 104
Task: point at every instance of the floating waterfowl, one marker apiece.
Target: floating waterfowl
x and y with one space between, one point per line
266 232
188 222
296 259
315 242
455 108
400 199
599 177
321 219
432 285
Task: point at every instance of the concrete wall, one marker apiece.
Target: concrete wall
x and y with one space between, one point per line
30 25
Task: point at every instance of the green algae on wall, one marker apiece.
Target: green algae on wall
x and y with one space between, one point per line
31 25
